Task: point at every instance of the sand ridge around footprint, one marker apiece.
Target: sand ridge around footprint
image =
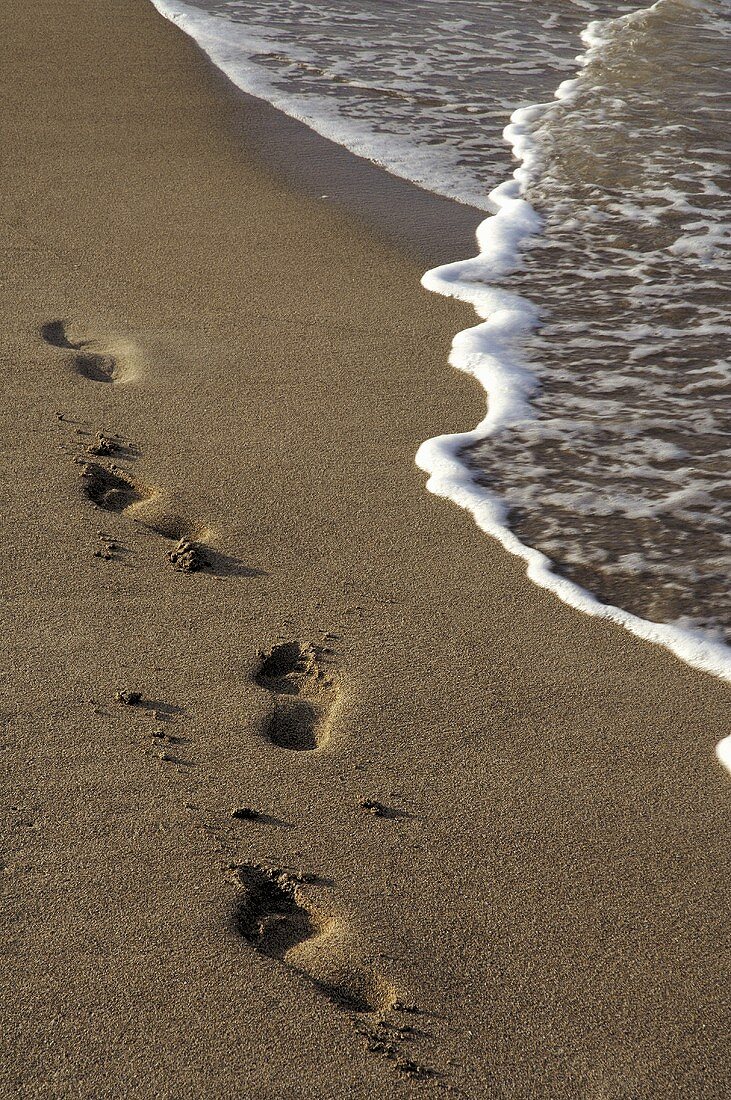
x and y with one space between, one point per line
108 360
305 695
275 916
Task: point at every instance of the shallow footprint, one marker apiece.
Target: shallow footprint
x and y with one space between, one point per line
305 695
276 918
114 363
115 491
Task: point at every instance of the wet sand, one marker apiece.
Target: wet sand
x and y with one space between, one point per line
488 852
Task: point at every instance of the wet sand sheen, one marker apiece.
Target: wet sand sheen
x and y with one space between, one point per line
540 910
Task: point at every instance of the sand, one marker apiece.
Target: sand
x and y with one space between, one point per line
354 810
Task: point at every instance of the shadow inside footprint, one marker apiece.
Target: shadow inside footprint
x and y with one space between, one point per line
268 914
97 368
305 695
54 332
274 916
115 491
92 365
111 490
296 724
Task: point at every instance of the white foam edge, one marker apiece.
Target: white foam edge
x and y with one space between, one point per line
233 48
487 353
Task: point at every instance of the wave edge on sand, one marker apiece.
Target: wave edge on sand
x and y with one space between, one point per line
483 352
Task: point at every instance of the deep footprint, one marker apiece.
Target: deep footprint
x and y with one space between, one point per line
275 917
113 490
96 366
305 695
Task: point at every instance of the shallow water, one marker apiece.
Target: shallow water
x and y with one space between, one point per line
603 282
621 472
424 87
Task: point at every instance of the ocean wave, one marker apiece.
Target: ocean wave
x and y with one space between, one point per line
557 443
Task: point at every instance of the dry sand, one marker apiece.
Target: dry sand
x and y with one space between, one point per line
546 889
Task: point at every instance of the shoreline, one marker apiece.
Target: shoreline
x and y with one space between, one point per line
403 213
484 352
545 884
426 227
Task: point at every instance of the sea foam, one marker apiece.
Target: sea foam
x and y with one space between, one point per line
238 49
491 353
407 86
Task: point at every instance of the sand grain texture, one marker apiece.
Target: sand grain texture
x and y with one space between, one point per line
542 911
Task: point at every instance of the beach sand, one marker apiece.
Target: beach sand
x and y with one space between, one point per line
535 905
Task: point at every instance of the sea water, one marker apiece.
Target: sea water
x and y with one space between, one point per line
595 134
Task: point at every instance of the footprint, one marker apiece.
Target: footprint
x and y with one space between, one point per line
54 332
98 368
115 491
305 696
115 362
276 918
111 490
